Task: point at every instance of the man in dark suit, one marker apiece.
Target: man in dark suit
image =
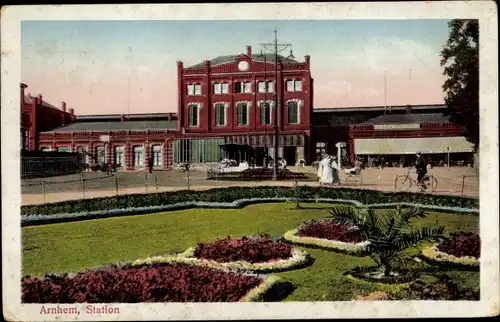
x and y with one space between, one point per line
421 167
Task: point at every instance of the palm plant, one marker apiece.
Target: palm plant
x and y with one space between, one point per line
388 235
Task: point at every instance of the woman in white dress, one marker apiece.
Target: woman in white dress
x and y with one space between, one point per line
319 171
327 175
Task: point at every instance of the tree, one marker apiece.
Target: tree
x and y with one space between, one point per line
389 235
460 59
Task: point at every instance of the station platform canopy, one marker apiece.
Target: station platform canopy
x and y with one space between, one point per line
431 145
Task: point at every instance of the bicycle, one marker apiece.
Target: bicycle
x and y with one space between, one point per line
405 182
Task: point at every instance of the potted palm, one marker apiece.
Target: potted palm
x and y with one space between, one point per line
388 237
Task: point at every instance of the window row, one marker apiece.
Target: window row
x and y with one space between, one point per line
245 87
243 113
100 155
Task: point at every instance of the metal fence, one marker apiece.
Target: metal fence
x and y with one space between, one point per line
47 164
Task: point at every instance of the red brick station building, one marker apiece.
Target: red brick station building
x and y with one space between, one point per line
226 109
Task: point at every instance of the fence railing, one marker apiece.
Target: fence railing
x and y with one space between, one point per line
85 185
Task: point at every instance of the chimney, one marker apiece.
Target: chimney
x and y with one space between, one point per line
122 118
23 86
40 99
71 111
249 50
408 109
63 106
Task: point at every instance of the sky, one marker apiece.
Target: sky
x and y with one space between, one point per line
91 64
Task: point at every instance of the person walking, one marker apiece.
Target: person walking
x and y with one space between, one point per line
150 164
421 168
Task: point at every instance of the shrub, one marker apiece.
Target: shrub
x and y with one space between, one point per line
461 245
331 230
250 249
267 173
147 283
225 195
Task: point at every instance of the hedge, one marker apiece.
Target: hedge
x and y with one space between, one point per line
233 197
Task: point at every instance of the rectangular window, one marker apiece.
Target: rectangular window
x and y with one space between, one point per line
119 156
138 156
242 109
293 112
193 115
220 114
298 86
190 89
217 88
262 88
197 89
225 88
270 87
290 86
247 87
238 87
157 154
265 113
101 155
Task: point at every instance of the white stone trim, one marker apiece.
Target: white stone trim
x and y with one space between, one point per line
199 107
249 106
226 108
300 102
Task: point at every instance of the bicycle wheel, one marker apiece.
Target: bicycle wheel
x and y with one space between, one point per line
403 183
433 183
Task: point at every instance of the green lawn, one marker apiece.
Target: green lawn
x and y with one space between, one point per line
73 246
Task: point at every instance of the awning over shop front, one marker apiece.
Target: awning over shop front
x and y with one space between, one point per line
412 145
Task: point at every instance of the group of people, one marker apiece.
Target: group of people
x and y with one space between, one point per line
328 171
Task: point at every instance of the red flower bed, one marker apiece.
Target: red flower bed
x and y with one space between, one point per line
461 244
148 283
251 249
329 229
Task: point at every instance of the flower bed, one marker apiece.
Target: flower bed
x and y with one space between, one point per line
224 196
462 249
155 282
250 249
328 234
256 254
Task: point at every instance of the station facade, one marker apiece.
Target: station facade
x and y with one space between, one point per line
225 109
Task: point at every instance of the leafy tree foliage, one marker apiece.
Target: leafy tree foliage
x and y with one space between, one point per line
390 235
460 59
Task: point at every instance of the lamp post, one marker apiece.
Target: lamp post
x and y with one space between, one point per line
276 48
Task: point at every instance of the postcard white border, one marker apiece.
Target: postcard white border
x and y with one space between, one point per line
485 11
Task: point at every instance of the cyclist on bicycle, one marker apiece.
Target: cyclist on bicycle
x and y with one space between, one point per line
421 167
